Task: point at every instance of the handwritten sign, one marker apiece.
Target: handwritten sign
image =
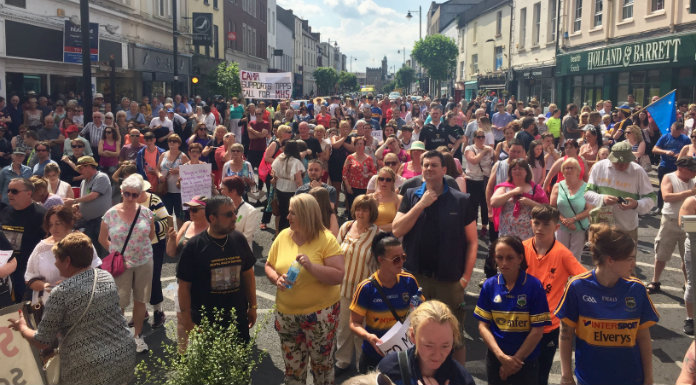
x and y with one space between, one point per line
266 85
377 134
396 339
20 362
195 180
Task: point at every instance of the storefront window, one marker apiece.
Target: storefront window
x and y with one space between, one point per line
685 82
21 84
577 90
64 84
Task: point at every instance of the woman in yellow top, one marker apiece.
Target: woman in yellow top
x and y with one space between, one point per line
388 200
355 238
307 315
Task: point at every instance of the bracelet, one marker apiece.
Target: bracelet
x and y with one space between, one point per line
253 307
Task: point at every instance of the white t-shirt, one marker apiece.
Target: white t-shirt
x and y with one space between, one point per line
285 170
42 261
164 123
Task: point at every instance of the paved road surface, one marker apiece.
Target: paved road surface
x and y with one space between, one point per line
669 343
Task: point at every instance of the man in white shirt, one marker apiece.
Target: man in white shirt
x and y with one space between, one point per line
248 217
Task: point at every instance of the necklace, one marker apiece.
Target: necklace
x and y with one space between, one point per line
222 247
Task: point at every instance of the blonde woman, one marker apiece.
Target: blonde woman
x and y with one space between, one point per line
307 311
634 136
388 201
434 331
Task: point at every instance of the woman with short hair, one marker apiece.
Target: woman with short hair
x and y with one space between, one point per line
169 169
357 171
568 196
136 280
307 312
97 347
55 185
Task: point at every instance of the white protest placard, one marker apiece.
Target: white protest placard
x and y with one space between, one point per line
377 134
396 339
195 180
20 362
266 85
5 256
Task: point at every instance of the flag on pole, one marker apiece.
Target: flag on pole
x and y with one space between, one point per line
664 112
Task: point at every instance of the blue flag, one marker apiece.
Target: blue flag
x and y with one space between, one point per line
664 112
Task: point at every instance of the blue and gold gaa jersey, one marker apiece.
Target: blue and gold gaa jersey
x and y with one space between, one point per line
606 322
378 318
512 314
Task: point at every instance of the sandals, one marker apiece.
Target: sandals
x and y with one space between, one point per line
653 287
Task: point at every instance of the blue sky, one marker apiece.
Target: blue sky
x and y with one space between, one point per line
366 29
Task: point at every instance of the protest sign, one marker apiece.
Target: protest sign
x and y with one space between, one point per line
20 361
396 339
266 85
195 180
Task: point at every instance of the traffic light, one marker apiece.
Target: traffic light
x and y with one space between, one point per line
194 79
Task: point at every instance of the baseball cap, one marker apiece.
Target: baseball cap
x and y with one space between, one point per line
71 128
197 201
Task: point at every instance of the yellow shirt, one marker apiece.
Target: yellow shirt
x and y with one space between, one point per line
307 295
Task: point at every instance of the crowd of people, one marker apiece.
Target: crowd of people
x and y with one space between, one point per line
420 182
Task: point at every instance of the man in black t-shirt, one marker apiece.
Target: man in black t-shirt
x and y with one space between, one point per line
434 134
21 222
312 142
216 270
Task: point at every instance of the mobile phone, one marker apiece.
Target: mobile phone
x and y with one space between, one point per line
622 201
170 222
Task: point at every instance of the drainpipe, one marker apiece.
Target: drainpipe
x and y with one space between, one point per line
509 43
608 23
672 17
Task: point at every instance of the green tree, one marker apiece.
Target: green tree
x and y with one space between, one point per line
326 78
225 80
404 77
438 55
347 82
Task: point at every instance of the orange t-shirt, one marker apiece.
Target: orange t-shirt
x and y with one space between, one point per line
553 270
151 160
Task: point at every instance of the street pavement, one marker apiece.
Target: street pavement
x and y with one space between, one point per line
669 342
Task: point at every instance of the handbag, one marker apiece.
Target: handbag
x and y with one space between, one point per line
52 365
114 263
644 162
405 368
571 207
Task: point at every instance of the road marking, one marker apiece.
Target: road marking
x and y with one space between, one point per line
650 265
669 306
167 278
265 295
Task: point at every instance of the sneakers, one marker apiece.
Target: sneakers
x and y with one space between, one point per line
689 327
140 345
159 319
131 323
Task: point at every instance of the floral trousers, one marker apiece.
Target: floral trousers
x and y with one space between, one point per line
305 336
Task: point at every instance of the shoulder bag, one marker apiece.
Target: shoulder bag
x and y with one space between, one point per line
385 299
405 367
565 191
52 366
114 263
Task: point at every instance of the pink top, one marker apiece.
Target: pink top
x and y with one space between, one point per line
407 172
108 161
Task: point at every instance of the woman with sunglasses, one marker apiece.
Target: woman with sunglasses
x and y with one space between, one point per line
169 173
479 161
689 150
387 199
237 166
109 148
136 280
370 315
391 144
176 240
201 137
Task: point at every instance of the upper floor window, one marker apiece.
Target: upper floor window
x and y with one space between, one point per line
536 28
577 16
598 7
657 5
552 17
523 27
499 23
627 9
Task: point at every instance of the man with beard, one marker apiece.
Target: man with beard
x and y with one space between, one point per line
216 270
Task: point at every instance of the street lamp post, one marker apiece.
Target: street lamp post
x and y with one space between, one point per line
351 62
404 52
420 20
86 61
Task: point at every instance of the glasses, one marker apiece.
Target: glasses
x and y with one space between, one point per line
77 146
480 137
391 163
134 135
396 260
14 191
127 194
384 179
195 209
43 150
235 150
108 131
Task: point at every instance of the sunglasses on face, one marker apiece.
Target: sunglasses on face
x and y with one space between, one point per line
77 146
384 179
195 209
127 194
396 260
14 191
108 131
41 150
391 163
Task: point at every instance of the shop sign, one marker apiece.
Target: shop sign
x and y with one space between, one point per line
72 42
670 50
154 61
202 28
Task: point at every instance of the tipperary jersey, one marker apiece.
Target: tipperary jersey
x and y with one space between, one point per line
512 314
606 322
368 303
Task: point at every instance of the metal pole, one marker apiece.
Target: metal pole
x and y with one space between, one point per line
112 82
86 62
175 48
420 21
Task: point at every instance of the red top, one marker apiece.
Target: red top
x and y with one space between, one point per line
357 173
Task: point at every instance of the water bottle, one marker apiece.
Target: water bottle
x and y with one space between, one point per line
416 299
293 271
